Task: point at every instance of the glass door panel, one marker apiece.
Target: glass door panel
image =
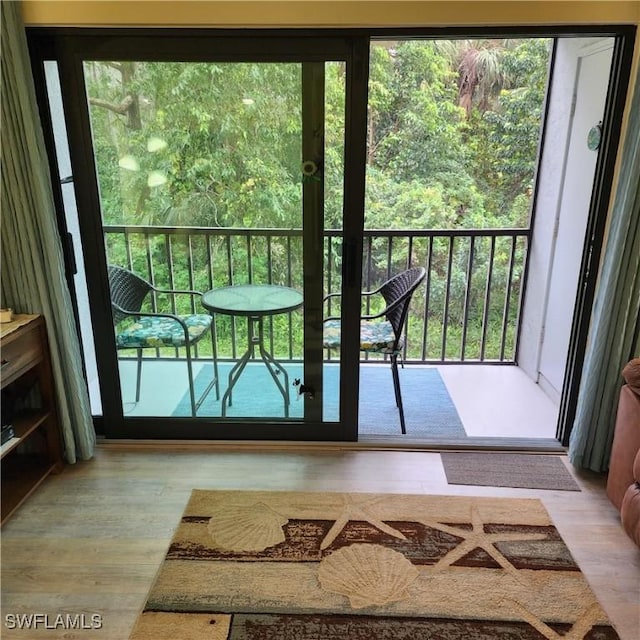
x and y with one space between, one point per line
211 179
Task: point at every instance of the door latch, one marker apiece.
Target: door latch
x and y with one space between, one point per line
303 389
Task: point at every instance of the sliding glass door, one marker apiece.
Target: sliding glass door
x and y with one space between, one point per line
210 185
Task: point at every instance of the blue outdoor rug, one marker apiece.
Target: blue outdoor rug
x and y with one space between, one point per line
428 408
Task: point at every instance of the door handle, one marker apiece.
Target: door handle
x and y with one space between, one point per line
67 241
350 262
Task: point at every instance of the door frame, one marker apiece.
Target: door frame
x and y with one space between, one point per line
48 44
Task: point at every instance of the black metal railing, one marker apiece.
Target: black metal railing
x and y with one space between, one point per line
468 309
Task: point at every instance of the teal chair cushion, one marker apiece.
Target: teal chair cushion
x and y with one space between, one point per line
149 331
375 337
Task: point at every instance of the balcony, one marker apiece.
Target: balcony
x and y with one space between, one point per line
464 321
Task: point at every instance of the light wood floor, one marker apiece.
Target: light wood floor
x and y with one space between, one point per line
91 539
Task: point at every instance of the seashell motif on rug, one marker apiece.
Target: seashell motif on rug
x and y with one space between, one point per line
367 574
247 528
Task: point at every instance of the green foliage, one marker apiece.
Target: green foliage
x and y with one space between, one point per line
505 137
480 159
219 145
416 137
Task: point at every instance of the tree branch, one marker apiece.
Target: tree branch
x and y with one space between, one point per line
121 108
114 65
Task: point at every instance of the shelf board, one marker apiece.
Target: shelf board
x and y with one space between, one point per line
23 425
35 451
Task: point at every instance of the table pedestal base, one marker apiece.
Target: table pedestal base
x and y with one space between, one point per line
273 366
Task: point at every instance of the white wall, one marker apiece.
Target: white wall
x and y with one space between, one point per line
565 182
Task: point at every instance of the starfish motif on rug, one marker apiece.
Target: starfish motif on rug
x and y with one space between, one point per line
358 508
578 631
478 538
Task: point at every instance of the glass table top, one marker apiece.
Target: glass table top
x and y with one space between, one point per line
252 299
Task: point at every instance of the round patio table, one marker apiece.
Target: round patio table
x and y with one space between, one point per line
255 302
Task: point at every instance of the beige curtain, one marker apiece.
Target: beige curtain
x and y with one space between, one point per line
32 270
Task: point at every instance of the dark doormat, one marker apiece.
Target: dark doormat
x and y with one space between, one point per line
518 470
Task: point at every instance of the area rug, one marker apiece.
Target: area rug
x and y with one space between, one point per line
529 471
328 566
429 410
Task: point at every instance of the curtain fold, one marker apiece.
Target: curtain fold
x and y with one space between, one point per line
33 277
612 336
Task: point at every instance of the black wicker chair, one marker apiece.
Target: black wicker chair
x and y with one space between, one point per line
154 330
383 336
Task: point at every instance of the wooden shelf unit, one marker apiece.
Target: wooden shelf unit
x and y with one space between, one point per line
36 449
